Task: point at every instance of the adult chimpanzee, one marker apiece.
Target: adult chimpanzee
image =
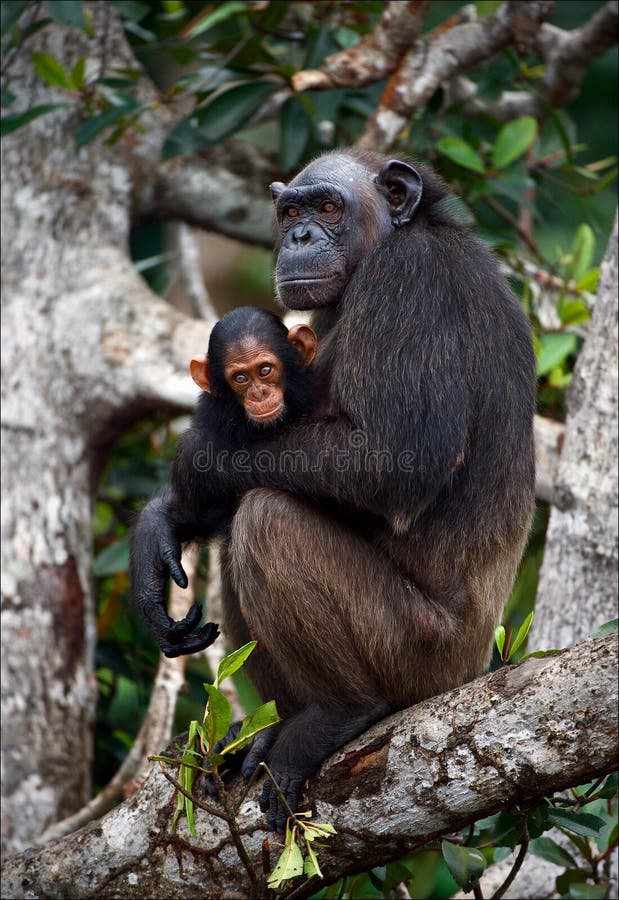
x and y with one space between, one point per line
255 378
375 572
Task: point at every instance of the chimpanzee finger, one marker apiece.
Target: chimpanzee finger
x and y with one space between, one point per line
258 751
174 567
191 643
269 802
292 794
184 626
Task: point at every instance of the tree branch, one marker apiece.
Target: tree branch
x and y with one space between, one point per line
224 190
375 56
568 53
519 733
446 53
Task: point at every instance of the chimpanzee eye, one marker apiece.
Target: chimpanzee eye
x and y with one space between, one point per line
291 211
240 378
265 370
328 207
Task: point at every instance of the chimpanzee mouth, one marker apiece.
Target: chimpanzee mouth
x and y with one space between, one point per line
307 293
268 416
304 280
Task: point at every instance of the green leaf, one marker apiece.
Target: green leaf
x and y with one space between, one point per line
186 778
218 716
295 133
223 11
94 126
77 73
499 639
605 630
12 123
513 140
589 280
569 877
10 11
185 138
608 790
230 109
486 7
131 9
310 866
319 830
50 70
465 864
290 863
580 823
233 661
581 891
557 378
514 184
66 12
583 250
521 635
547 849
537 819
554 350
506 830
460 152
114 558
572 311
540 654
264 717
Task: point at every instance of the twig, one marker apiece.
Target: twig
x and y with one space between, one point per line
266 858
524 846
235 831
224 814
477 892
201 804
505 214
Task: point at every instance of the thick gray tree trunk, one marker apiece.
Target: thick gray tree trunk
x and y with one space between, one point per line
578 583
86 349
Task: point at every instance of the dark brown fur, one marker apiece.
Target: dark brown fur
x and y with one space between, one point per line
371 587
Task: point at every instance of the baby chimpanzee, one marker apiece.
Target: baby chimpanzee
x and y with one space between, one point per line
255 378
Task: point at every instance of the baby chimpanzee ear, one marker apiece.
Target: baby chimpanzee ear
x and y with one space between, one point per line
303 338
200 372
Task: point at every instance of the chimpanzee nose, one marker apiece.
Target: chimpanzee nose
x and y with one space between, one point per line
301 234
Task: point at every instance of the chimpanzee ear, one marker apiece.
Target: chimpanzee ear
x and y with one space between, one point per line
276 188
404 189
304 339
200 372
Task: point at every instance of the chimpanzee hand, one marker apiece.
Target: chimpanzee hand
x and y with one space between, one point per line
192 642
290 784
155 555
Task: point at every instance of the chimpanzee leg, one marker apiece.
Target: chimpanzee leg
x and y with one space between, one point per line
263 670
346 628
